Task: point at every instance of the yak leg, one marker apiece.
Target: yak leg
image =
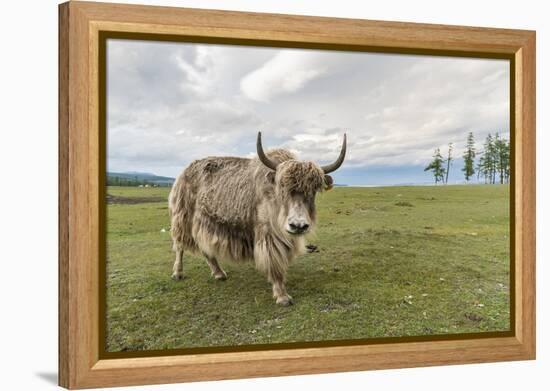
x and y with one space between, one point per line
217 271
272 258
177 271
280 294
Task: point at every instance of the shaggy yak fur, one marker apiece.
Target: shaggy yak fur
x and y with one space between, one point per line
230 208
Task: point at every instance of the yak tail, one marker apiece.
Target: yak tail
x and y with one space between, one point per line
181 211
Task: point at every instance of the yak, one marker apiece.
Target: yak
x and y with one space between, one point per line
241 209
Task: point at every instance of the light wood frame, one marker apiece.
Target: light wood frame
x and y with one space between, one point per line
80 24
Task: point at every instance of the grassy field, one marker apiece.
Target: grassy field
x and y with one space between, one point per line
395 261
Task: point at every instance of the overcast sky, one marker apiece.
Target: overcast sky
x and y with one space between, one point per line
171 103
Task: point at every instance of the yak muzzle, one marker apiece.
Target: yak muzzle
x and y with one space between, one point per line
297 228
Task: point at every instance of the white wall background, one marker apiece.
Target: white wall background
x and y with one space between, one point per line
28 192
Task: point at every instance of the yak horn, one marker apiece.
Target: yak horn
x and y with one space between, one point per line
263 158
334 166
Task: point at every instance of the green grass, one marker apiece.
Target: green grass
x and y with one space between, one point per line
395 261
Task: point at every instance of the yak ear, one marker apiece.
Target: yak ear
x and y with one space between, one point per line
329 183
270 176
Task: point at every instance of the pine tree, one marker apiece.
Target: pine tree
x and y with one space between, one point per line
488 160
495 160
449 159
507 166
480 167
502 157
436 166
469 157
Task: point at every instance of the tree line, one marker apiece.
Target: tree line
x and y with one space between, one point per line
493 164
132 181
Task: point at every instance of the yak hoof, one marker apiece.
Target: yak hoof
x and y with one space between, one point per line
177 276
285 301
220 276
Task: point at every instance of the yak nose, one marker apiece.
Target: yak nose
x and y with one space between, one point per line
299 227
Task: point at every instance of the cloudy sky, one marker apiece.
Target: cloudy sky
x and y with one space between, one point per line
171 103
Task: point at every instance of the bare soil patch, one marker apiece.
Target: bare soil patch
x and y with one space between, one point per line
111 199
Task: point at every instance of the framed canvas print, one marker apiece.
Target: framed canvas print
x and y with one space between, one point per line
248 195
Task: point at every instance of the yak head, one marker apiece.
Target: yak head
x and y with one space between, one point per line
296 185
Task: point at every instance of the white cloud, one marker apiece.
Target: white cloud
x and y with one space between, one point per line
287 72
169 104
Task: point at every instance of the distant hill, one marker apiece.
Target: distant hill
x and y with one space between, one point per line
134 178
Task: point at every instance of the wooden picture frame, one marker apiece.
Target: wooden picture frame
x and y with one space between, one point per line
81 164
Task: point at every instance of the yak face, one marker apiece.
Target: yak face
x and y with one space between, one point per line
296 185
301 214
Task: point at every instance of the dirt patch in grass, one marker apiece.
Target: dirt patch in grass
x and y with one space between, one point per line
473 317
404 203
111 199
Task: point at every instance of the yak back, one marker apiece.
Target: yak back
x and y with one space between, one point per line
230 188
226 191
